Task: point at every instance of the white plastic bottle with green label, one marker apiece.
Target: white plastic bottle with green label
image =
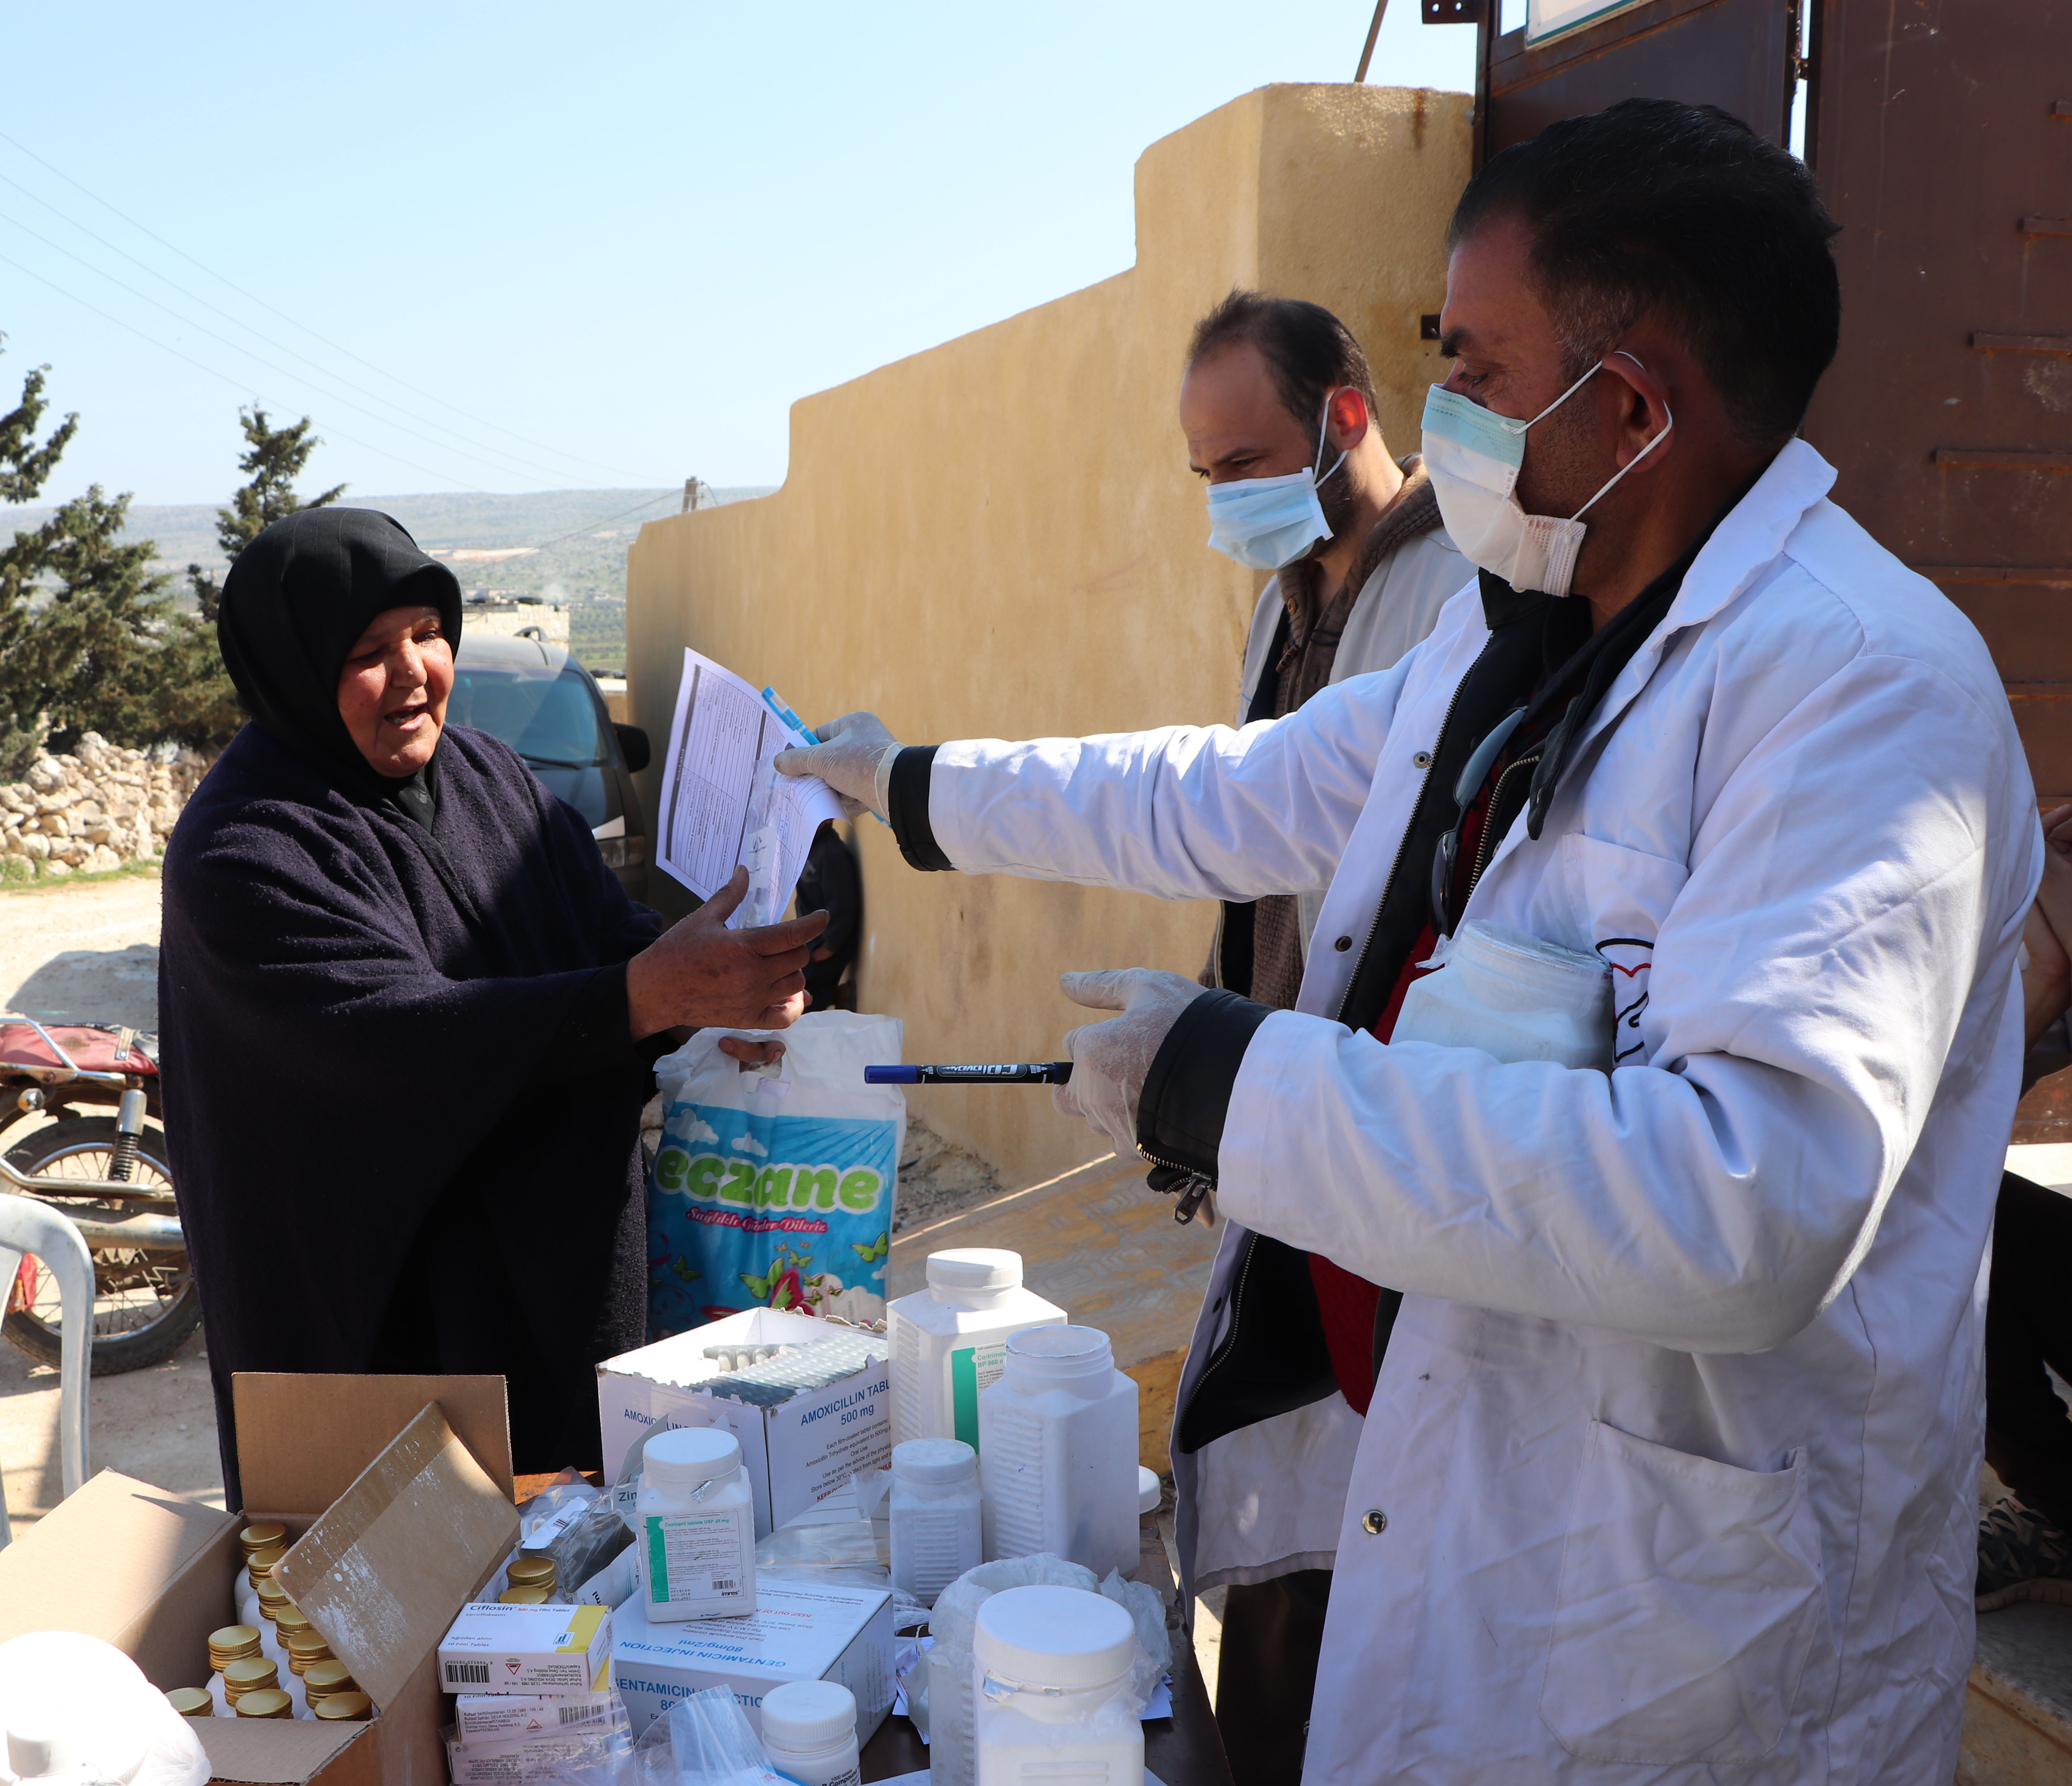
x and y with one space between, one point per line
694 1527
948 1340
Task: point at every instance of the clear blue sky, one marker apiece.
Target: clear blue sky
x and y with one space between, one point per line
632 233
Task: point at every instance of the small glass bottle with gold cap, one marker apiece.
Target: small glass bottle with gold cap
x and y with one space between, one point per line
229 1644
266 1703
531 1572
254 1674
321 1680
263 1535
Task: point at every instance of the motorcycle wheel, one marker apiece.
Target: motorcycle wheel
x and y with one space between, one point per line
146 1305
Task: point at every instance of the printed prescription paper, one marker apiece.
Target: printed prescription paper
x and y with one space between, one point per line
724 805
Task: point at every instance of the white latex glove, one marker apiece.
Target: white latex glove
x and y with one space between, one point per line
854 758
1110 1060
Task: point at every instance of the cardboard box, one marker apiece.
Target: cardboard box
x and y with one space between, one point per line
796 1632
489 1716
493 1648
398 1490
796 1453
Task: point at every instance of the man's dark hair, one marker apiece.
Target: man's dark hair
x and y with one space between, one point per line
1308 350
1682 211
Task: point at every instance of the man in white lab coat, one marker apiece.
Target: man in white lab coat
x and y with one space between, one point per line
1668 1472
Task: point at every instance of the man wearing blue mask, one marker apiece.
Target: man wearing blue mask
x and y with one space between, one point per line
1277 406
1670 1468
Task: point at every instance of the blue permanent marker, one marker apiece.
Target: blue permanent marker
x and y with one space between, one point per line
977 1073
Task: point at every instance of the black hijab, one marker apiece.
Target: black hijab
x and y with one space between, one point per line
294 604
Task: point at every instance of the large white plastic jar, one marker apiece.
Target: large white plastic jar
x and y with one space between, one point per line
1058 1457
947 1340
809 1729
1515 997
694 1527
1051 1671
937 1533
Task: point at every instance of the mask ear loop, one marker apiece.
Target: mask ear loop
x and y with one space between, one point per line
1511 425
1323 427
1661 434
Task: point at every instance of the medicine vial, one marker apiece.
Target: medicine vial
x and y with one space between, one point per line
1051 1669
949 1340
937 1530
1058 1454
809 1729
694 1527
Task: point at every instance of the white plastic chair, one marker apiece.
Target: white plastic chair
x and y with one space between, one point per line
28 1226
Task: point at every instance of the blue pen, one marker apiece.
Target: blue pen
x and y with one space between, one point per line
973 1073
777 706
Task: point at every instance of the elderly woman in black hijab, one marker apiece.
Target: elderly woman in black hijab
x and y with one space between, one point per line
408 1013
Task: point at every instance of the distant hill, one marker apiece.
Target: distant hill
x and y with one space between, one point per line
579 538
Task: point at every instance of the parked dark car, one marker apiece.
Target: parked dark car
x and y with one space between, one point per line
548 708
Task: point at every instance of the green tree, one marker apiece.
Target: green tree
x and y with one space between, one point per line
273 459
82 614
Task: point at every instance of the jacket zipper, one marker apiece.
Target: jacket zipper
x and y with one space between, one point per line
1409 829
1194 1186
1486 848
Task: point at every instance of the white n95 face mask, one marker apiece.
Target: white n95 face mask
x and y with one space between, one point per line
1266 523
1473 455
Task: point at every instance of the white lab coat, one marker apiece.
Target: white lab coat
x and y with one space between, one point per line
1677 1438
1396 607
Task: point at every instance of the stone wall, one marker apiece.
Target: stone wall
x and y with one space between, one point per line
94 809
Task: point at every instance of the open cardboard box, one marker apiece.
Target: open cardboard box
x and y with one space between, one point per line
397 1493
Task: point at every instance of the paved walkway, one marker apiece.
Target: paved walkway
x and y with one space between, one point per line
89 951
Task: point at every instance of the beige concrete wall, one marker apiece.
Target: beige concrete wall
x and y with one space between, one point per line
1000 537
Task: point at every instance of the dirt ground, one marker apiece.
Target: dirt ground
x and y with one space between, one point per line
87 951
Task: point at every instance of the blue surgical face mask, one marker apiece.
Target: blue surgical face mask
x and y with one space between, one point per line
1473 455
1266 523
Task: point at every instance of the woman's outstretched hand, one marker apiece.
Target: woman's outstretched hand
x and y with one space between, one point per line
700 973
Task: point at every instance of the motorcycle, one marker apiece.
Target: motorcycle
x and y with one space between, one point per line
86 1125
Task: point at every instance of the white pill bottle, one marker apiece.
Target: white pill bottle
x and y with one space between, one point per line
937 1532
1051 1671
1515 996
1057 1457
949 1340
694 1527
809 1729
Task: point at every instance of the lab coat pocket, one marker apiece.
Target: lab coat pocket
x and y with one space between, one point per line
1690 1600
1619 899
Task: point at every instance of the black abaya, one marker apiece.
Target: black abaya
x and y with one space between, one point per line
400 1098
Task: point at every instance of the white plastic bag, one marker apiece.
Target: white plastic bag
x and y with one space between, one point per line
703 1740
69 1700
774 1188
947 1664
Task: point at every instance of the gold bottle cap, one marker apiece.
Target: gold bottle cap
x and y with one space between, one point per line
355 1708
323 1679
306 1651
259 1565
291 1621
271 1593
266 1702
234 1640
267 1536
524 1596
531 1572
250 1673
191 1702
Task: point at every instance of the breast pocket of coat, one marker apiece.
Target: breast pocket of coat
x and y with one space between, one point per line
1618 900
1690 1601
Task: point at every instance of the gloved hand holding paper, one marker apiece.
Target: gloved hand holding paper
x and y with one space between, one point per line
723 804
